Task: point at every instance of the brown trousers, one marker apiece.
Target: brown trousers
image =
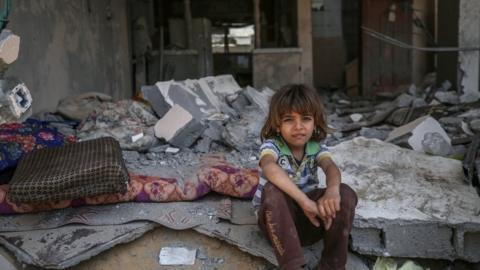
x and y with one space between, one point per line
287 228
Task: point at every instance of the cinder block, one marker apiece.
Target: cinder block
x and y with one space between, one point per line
471 246
419 240
152 94
368 240
178 127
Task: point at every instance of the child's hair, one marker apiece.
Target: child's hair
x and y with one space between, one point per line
297 98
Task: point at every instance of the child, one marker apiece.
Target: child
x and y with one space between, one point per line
292 211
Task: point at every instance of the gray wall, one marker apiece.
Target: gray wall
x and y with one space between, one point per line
71 46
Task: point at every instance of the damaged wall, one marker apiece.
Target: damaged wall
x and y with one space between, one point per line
70 47
469 61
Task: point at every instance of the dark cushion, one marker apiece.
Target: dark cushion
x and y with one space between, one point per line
72 171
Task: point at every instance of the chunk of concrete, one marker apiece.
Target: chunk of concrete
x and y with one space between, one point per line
260 97
449 97
203 97
475 126
419 130
410 204
178 127
15 101
152 94
356 117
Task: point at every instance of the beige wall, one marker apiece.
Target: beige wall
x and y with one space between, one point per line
304 14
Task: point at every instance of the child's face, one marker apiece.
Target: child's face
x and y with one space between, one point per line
296 129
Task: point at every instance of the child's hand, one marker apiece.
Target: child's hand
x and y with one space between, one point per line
311 211
328 205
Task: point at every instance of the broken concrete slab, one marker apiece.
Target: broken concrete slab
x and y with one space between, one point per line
7 261
410 204
244 133
203 97
250 239
178 127
152 94
63 247
260 97
421 129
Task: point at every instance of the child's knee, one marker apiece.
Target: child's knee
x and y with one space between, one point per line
348 197
273 195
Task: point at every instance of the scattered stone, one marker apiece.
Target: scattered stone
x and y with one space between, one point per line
435 144
152 94
239 102
419 102
151 156
418 128
172 150
261 98
159 149
404 100
450 97
452 121
244 133
475 126
374 133
177 256
356 117
130 156
344 102
467 129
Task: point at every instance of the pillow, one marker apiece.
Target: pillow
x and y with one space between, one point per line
72 171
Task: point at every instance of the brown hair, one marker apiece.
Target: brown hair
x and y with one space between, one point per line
297 98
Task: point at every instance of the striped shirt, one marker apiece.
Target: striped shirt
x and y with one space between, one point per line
304 175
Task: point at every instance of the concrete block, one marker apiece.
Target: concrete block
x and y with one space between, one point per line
423 240
420 129
152 94
369 240
178 127
410 204
471 246
15 101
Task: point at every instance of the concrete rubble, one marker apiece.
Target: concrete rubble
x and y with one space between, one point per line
413 201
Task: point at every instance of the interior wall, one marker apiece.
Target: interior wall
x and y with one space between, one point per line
70 47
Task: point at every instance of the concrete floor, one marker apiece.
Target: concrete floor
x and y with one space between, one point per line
143 253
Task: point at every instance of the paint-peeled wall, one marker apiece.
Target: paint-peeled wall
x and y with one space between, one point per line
469 61
70 47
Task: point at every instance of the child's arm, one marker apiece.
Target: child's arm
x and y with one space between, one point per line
277 176
329 203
